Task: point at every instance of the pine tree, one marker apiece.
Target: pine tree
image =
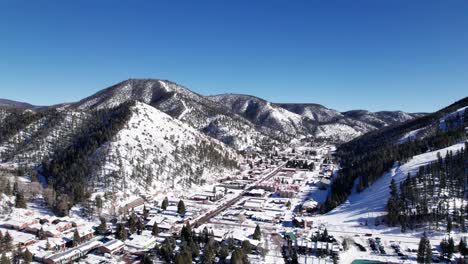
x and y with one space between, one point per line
146 259
98 201
246 247
184 257
294 257
20 201
257 235
444 247
4 259
102 228
7 242
145 212
27 256
223 252
121 232
186 233
462 247
155 230
239 257
15 188
165 203
449 224
450 248
208 254
181 207
76 238
423 249
428 254
7 190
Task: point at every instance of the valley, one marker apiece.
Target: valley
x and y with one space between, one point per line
147 171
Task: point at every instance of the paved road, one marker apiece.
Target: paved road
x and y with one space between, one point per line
210 214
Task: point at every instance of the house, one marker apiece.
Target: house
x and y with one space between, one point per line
287 193
137 243
20 238
310 205
112 247
256 193
19 223
86 233
238 185
199 197
264 218
254 204
72 254
133 204
303 222
48 229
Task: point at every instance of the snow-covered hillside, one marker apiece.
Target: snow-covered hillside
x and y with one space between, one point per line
310 119
370 204
316 112
264 113
181 103
52 131
157 152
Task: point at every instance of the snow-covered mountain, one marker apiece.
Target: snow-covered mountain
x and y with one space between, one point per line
310 119
155 152
238 120
5 103
265 114
132 147
316 112
179 102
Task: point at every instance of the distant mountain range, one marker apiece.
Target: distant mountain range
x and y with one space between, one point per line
237 120
138 128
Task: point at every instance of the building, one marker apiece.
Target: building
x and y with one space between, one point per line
19 223
238 185
72 254
256 193
254 204
133 204
112 247
303 222
138 243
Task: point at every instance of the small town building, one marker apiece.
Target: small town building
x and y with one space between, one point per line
112 247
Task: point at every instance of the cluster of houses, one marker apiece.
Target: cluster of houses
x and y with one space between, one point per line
49 238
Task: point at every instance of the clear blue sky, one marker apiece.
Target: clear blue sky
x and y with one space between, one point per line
350 54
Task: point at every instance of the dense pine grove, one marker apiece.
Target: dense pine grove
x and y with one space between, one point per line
368 157
69 169
17 120
434 196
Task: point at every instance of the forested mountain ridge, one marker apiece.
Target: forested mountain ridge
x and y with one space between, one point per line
136 149
312 120
237 120
367 158
116 140
5 103
179 102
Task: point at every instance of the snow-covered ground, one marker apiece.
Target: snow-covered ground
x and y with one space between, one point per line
155 144
349 218
409 136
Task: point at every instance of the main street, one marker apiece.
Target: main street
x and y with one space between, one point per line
212 213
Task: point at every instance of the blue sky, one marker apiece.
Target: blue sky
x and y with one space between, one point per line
377 55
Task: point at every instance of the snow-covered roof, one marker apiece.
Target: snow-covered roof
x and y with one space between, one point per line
140 242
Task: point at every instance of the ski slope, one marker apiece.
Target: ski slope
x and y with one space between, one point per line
370 204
